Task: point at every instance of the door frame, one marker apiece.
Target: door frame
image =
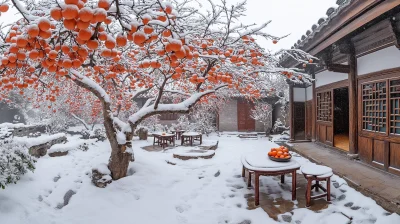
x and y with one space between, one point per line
328 88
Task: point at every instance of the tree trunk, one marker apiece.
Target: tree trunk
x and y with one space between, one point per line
119 162
120 157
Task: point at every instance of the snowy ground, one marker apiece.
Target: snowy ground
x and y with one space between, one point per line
193 192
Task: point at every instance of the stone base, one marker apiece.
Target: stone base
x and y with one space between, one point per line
58 154
195 154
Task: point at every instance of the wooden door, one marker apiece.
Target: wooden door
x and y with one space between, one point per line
324 129
245 122
299 114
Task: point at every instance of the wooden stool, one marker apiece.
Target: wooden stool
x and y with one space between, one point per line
317 173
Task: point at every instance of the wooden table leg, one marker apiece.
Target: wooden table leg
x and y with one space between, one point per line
294 185
249 179
308 192
243 171
191 140
201 139
316 185
182 140
282 179
257 188
173 139
328 189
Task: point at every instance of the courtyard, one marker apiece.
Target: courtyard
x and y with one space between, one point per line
162 189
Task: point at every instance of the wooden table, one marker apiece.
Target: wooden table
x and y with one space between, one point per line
190 137
178 134
163 139
259 164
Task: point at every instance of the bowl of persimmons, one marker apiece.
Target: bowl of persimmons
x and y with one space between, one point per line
280 154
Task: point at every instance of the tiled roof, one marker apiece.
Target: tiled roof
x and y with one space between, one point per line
322 22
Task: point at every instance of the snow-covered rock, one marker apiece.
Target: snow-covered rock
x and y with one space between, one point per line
101 175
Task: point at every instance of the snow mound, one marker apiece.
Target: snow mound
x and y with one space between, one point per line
69 145
102 168
12 126
29 142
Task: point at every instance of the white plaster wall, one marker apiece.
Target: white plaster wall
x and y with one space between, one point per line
228 117
299 94
327 77
383 59
309 93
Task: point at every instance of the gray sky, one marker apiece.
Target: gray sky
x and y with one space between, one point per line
293 17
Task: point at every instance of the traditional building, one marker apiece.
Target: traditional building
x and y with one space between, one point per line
354 103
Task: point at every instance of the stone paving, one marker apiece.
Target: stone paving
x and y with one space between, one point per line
274 204
384 188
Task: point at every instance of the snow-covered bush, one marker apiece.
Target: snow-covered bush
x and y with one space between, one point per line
279 127
203 120
262 113
14 162
182 123
152 124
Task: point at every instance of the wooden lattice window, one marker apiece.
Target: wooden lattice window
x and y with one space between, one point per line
395 107
374 102
324 106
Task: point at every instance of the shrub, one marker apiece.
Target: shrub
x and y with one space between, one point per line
14 162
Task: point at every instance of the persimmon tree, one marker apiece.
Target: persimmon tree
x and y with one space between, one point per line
121 49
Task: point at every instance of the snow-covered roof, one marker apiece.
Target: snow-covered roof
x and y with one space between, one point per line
331 13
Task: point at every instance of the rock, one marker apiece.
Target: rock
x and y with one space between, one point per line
336 185
341 197
67 197
58 154
287 218
349 204
55 179
245 222
217 174
84 147
99 179
41 150
355 207
143 133
38 150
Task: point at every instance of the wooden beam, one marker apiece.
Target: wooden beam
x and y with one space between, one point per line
338 68
353 117
368 16
291 111
395 22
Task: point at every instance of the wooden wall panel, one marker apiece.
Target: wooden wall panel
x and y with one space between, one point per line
378 151
329 134
394 158
322 133
365 149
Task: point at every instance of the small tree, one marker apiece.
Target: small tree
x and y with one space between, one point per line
262 113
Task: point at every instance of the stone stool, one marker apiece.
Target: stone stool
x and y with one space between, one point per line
317 173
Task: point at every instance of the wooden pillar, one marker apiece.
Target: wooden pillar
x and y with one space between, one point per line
314 109
291 111
353 118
